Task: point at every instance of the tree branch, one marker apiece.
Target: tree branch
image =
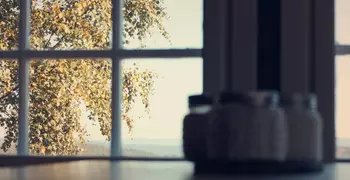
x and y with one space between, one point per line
9 93
58 43
61 39
16 88
48 41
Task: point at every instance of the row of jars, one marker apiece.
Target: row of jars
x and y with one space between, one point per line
253 126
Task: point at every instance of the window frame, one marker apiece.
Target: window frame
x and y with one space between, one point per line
212 65
342 49
228 26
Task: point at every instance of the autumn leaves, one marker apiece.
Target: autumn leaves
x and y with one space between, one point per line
59 86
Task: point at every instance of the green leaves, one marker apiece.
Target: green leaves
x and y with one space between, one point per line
58 88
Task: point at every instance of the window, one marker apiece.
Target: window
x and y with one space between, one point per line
33 58
218 71
342 79
158 133
228 49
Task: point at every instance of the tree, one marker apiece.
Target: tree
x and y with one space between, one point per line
58 87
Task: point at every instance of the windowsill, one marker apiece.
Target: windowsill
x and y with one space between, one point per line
155 170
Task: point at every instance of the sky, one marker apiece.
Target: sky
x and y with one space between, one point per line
342 65
179 78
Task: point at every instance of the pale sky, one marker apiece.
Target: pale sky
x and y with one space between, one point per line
179 78
342 35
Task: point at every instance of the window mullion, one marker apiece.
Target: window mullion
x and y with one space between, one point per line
342 49
116 78
23 121
122 53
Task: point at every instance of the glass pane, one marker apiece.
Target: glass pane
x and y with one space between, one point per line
8 106
155 103
342 21
69 110
163 24
62 25
342 112
70 24
9 18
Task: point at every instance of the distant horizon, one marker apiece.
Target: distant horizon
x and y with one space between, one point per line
143 140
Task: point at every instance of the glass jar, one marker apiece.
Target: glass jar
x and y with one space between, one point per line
224 136
305 127
266 132
195 127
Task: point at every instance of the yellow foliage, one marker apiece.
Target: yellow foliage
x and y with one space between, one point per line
57 87
43 149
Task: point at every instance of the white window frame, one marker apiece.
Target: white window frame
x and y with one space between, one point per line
307 60
213 54
229 53
24 54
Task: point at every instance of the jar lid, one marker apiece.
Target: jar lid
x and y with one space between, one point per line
200 99
263 98
308 100
232 97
